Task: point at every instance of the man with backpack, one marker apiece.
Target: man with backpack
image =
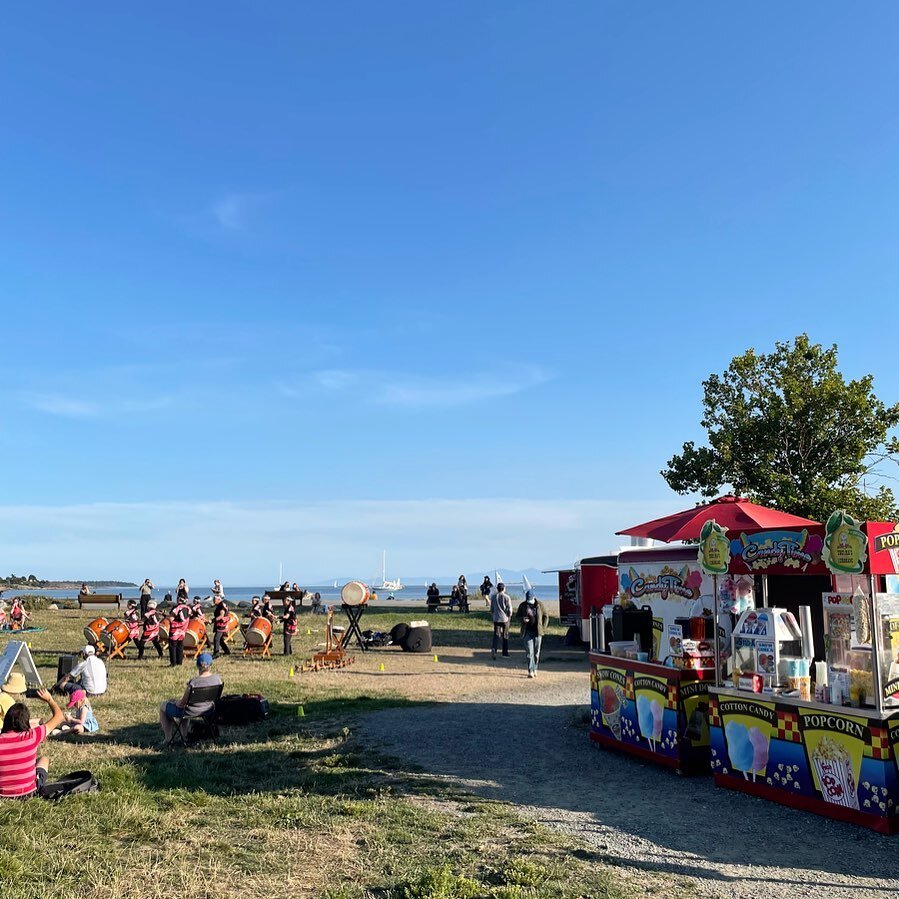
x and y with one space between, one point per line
501 612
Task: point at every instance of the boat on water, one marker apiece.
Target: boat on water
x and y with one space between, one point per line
386 585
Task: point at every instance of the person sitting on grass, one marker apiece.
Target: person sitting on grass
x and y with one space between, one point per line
173 709
79 717
17 615
89 675
11 692
22 773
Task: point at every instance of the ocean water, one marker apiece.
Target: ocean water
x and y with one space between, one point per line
244 594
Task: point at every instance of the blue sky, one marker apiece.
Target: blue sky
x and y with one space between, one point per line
299 282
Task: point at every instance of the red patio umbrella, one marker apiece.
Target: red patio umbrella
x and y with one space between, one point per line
733 513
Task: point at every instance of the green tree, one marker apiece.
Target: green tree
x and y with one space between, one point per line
787 430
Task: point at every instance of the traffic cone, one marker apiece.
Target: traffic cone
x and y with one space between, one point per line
300 712
291 671
308 632
381 667
436 659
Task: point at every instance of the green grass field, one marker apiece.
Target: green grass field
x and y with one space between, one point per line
294 807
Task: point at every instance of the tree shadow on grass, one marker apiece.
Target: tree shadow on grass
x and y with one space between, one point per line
321 755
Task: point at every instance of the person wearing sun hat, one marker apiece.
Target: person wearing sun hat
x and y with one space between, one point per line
12 692
171 710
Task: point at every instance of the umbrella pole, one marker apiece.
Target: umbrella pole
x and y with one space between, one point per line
764 591
876 644
717 649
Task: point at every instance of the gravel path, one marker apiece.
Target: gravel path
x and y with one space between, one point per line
526 747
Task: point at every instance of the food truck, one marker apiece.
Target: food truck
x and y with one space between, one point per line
585 588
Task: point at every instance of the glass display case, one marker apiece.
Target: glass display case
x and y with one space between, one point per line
767 653
887 607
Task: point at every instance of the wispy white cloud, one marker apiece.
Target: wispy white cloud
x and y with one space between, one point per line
245 542
230 211
68 407
76 407
416 391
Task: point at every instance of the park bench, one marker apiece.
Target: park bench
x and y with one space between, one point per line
97 599
437 602
281 595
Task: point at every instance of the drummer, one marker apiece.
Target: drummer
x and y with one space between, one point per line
290 625
151 631
177 628
196 610
267 611
254 611
220 618
132 619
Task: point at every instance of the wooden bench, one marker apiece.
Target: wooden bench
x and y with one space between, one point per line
437 602
96 599
281 595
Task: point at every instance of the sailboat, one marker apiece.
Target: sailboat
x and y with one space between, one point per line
388 586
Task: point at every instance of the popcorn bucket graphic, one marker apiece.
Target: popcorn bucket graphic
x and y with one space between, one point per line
894 556
836 781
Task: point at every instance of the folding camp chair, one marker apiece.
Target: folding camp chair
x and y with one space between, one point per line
181 732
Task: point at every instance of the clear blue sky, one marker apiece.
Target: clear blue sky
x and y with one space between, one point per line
299 282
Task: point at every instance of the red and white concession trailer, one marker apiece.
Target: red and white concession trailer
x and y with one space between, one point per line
587 586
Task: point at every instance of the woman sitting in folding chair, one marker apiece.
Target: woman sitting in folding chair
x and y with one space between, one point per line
173 712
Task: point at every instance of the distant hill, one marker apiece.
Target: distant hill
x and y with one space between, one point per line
30 582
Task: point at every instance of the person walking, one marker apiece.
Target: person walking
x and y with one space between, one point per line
146 594
486 589
534 622
501 612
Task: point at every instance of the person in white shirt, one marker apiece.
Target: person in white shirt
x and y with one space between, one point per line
89 674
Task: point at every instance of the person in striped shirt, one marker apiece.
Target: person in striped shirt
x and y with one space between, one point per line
22 773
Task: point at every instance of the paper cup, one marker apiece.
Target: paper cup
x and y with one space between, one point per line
612 721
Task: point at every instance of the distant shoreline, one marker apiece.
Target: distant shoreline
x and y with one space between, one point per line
59 585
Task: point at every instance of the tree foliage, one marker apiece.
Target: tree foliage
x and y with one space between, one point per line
788 431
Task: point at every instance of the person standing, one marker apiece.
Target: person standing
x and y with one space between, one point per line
266 610
534 622
177 628
146 594
501 612
151 632
132 620
182 592
218 591
486 589
220 619
290 626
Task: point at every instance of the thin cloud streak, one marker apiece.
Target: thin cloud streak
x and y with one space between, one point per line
245 542
412 391
73 407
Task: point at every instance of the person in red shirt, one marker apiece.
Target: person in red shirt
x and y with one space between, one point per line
22 773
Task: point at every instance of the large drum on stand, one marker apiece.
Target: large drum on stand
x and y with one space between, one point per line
115 634
164 631
259 631
94 631
195 633
233 625
355 593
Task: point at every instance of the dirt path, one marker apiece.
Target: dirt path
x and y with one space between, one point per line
525 745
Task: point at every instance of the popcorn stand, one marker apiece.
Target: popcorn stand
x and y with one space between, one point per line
809 716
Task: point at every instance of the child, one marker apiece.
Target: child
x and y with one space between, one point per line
79 718
290 627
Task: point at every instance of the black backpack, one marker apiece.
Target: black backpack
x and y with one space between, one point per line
71 784
237 710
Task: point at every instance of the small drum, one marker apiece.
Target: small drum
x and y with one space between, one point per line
115 634
94 630
233 624
164 631
355 593
259 632
195 633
